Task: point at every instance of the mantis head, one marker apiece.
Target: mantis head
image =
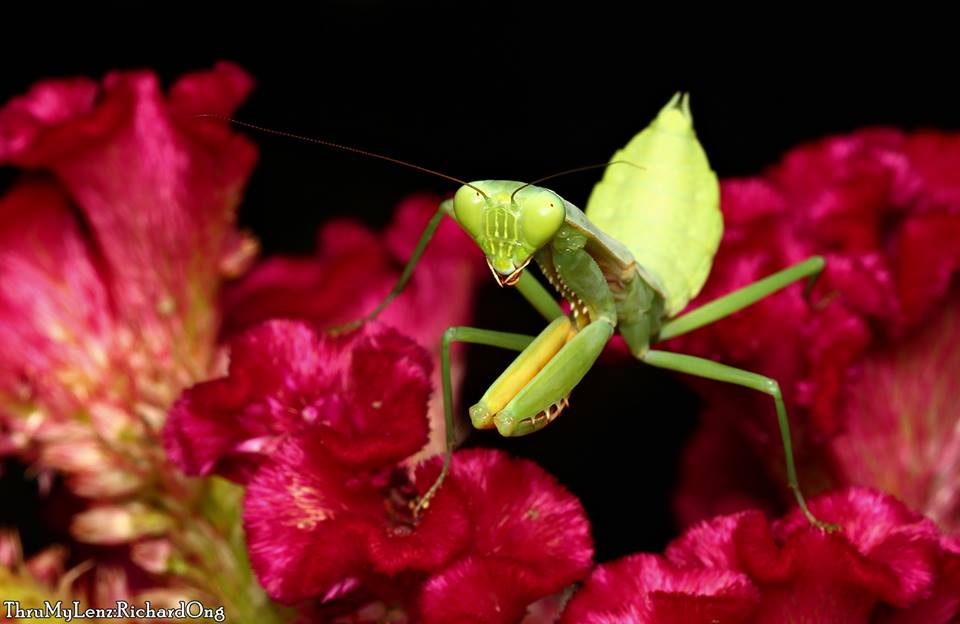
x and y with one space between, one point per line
509 221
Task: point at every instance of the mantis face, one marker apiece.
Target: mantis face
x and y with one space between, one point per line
508 227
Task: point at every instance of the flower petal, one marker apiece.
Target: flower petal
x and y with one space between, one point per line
531 538
363 395
520 512
480 590
899 545
646 589
305 518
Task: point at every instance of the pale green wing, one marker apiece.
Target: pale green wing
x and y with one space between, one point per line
667 213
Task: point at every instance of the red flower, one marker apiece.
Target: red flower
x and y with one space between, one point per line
878 205
530 538
886 564
363 396
498 535
353 271
110 261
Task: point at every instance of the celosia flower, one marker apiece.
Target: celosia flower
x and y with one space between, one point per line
499 534
353 271
321 425
879 206
113 245
111 316
886 564
362 395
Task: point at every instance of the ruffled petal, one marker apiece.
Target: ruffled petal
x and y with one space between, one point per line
363 395
476 590
521 513
531 538
646 589
305 518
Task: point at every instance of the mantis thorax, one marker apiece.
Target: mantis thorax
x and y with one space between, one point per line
507 224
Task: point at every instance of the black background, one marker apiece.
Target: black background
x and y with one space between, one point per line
502 93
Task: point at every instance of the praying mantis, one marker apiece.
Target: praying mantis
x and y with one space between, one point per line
629 264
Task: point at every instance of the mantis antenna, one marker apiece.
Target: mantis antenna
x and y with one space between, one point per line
345 148
574 170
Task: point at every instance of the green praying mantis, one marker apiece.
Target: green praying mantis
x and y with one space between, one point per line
628 264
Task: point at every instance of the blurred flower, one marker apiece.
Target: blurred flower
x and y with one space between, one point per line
113 246
353 271
887 564
117 524
41 577
322 423
866 361
109 312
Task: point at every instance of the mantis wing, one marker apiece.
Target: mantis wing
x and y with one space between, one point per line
667 213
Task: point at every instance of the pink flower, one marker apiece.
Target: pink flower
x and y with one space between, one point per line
113 246
353 271
113 314
878 205
886 564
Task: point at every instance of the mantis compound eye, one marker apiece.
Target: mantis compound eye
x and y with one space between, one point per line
542 214
468 206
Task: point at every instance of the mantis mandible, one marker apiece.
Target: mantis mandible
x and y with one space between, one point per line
628 264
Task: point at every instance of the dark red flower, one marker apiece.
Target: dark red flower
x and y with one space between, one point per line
353 271
362 396
886 562
878 205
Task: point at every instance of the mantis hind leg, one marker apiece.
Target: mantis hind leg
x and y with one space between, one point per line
504 340
721 372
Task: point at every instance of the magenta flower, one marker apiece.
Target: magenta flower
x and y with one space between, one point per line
499 535
888 564
319 426
882 208
362 396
